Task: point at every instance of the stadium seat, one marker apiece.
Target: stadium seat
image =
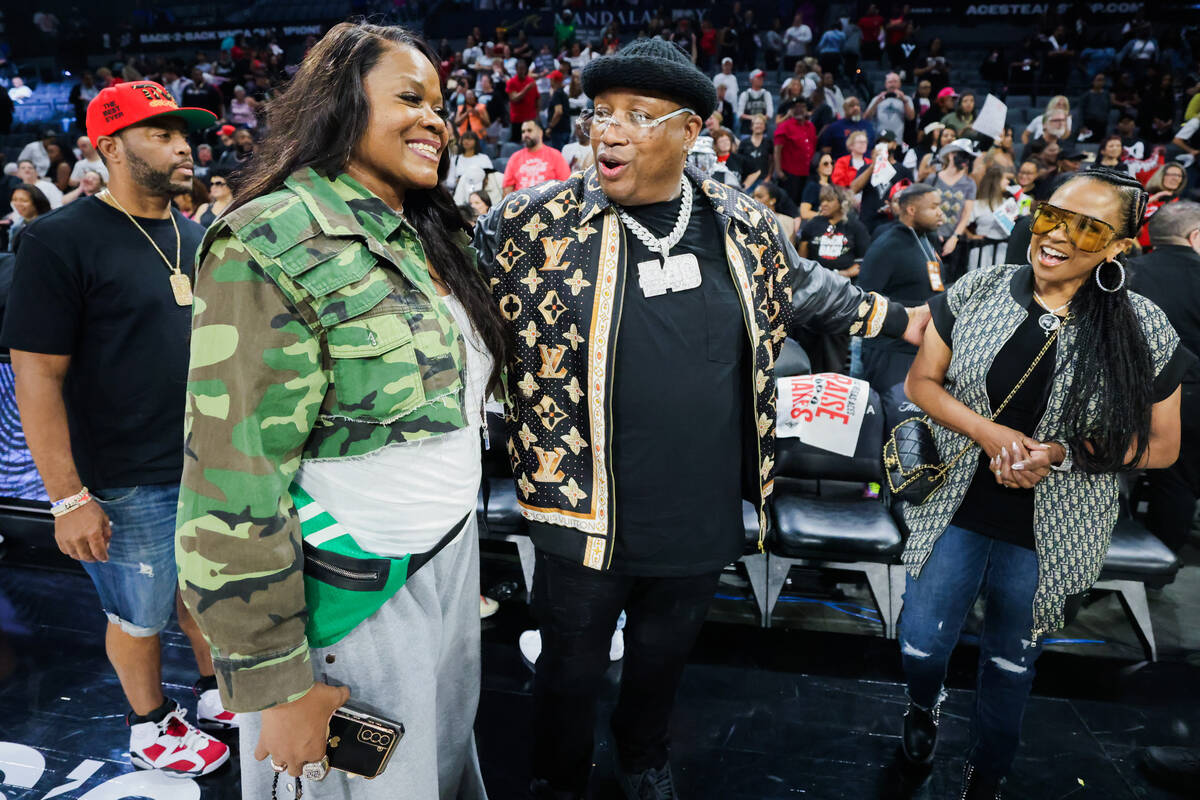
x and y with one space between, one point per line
836 527
1137 559
508 148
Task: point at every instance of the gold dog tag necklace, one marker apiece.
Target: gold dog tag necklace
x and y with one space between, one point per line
181 286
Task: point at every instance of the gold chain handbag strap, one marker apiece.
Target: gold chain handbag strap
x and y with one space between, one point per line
1045 348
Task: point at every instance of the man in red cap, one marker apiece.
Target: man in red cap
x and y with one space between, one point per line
558 112
98 325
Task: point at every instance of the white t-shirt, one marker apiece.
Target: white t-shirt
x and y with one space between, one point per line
405 497
467 174
82 166
20 94
52 193
576 155
798 38
1036 129
730 83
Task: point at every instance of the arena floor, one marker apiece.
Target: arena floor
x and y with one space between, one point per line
809 709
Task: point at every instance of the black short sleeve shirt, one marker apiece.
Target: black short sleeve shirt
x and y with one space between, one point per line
87 284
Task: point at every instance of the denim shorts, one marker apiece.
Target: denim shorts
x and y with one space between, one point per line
137 584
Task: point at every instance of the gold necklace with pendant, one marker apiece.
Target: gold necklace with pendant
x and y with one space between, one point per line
181 287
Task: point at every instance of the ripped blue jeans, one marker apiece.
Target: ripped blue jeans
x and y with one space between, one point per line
962 565
137 584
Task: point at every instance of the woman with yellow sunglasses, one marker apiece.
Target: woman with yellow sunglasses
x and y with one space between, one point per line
1086 376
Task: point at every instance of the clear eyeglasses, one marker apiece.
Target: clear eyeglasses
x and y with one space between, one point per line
636 124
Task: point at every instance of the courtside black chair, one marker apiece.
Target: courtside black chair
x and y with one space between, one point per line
833 527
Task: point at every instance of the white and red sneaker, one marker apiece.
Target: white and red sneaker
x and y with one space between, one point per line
211 714
175 747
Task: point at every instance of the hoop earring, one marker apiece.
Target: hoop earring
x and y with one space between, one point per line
1120 284
1029 253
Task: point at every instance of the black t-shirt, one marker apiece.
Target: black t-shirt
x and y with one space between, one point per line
897 265
989 508
874 198
812 194
559 100
679 409
87 284
754 159
202 96
835 245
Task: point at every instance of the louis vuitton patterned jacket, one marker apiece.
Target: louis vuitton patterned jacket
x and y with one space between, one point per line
556 255
1074 512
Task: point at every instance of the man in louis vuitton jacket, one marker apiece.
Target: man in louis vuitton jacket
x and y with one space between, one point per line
648 305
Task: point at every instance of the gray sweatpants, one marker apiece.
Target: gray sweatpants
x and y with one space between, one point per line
415 661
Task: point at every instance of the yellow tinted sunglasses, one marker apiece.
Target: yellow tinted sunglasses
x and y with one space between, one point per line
1087 233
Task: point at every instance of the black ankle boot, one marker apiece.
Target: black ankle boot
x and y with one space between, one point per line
976 787
920 732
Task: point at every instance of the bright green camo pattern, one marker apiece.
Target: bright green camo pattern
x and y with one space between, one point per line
317 334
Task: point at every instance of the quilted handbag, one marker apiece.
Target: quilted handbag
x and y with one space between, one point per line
911 461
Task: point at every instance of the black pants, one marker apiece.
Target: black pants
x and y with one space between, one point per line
793 185
577 609
884 367
1173 491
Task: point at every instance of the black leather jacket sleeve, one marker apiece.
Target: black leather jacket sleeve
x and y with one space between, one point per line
823 300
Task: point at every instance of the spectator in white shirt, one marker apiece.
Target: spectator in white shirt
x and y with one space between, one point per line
755 101
27 173
578 154
726 77
87 159
174 83
833 95
891 108
37 153
473 52
19 92
797 39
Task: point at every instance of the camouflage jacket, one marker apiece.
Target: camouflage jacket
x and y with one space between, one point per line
556 254
317 334
1073 512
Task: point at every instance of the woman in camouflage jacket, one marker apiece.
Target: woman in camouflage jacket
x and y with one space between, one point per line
342 343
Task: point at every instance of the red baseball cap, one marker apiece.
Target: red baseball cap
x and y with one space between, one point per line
125 104
555 75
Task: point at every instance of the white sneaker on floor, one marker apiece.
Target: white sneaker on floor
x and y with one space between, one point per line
531 645
175 747
616 649
487 607
211 713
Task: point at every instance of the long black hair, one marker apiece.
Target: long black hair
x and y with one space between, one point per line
1114 372
319 119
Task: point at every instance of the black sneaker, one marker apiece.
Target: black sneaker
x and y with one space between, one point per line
653 784
920 732
1175 768
976 787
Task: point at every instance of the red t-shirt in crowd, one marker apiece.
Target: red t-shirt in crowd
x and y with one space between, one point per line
870 27
526 108
530 167
798 142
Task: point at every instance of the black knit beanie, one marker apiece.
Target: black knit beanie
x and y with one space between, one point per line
654 65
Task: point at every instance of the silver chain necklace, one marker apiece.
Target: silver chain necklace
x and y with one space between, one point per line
653 244
673 273
1050 320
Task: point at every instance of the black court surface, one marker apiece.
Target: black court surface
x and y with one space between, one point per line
809 709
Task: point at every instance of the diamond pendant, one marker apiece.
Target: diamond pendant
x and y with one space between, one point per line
1049 322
